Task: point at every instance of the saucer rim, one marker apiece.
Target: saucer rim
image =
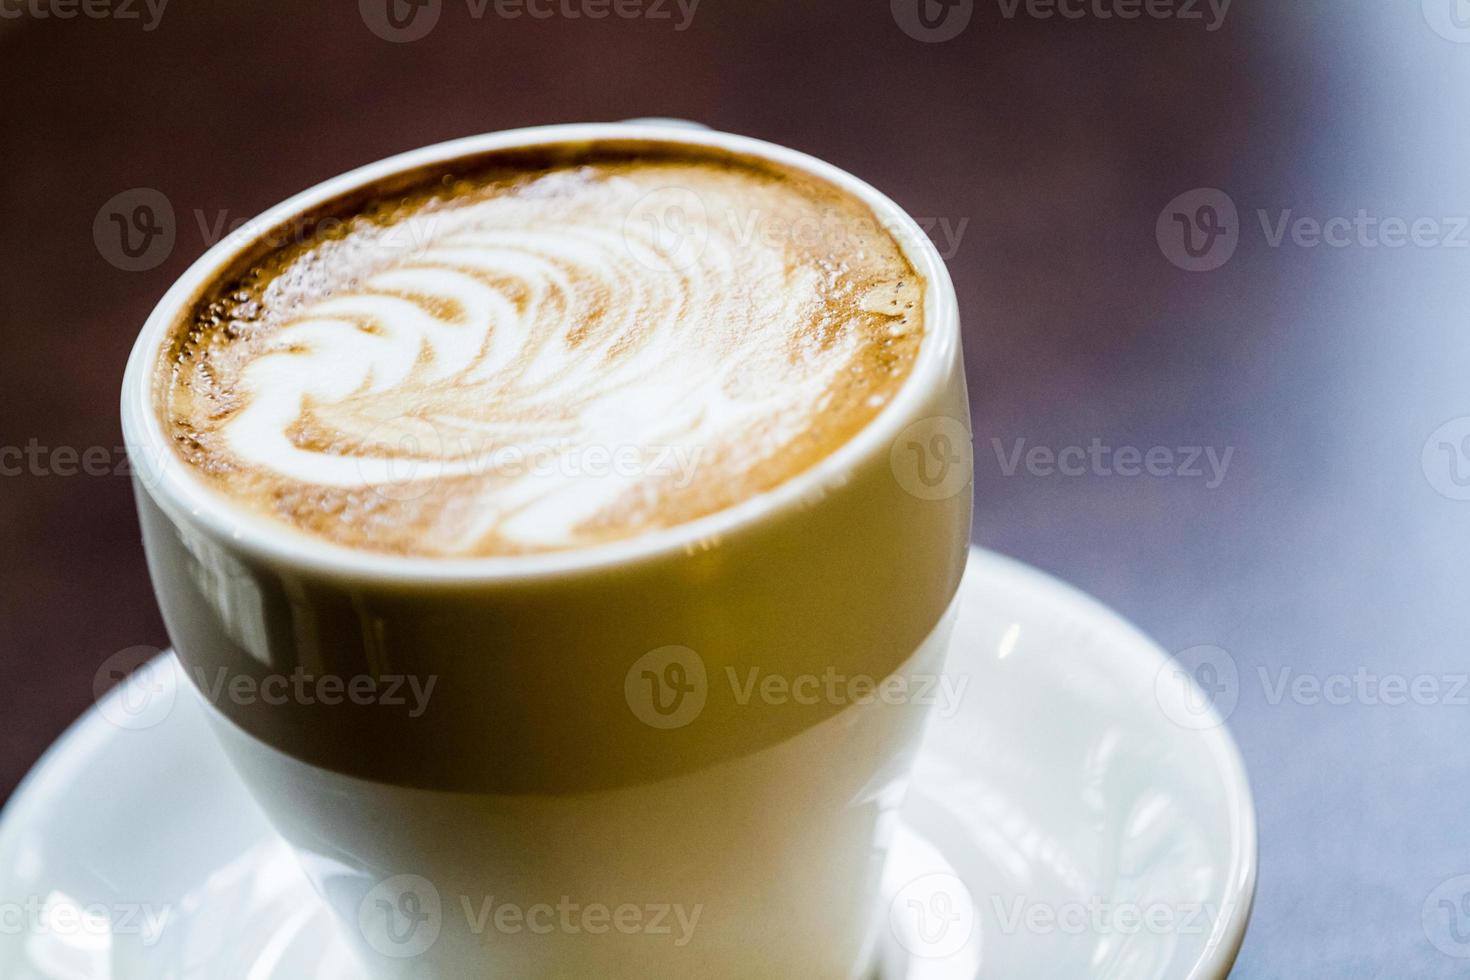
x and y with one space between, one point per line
1224 946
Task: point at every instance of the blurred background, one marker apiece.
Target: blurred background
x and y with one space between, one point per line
1237 231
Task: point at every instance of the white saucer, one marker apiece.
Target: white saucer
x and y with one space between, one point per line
1082 814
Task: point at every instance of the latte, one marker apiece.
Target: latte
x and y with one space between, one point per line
543 351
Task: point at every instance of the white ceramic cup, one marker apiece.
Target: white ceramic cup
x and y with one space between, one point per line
656 758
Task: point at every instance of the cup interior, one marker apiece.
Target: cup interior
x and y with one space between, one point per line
178 491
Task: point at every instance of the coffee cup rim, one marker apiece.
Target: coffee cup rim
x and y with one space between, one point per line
172 484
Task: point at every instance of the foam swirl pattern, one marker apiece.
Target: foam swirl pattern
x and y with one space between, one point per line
541 361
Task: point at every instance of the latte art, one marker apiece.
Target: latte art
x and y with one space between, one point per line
535 359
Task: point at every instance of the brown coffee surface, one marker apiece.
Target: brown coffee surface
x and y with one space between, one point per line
545 351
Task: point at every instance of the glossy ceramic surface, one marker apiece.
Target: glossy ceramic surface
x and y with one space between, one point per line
1078 811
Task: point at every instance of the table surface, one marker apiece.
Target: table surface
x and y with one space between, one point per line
1326 553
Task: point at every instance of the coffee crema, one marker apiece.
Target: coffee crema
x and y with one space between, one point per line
543 350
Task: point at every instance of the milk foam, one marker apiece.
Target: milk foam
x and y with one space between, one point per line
552 360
